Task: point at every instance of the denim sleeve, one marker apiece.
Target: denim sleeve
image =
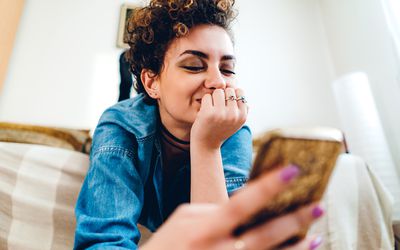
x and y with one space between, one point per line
237 157
110 202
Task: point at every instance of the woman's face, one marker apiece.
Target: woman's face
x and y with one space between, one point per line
194 65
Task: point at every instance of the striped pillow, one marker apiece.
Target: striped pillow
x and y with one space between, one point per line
39 186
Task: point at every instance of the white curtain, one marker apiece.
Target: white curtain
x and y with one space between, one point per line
364 133
392 12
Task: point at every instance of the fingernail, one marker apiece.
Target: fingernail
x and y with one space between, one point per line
316 243
317 211
289 173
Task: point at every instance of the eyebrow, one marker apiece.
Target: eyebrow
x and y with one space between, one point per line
205 56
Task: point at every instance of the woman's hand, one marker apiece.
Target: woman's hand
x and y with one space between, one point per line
209 227
220 116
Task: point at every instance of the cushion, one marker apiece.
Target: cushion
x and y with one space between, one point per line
39 186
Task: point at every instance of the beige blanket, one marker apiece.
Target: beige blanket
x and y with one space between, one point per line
38 190
358 209
39 186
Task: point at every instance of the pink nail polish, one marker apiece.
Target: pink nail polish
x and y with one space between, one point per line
289 173
316 243
317 211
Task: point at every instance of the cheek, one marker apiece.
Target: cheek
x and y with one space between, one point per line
182 91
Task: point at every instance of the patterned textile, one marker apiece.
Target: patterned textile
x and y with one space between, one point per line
39 186
358 209
38 190
73 139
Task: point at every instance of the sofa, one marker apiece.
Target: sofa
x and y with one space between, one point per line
40 182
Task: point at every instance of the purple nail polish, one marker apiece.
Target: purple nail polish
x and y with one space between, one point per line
289 172
317 211
316 243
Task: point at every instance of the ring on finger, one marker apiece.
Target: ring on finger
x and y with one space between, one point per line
239 245
231 98
241 98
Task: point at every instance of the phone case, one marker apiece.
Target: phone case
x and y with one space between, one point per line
313 150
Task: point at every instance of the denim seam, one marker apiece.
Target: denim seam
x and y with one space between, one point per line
116 150
146 138
234 180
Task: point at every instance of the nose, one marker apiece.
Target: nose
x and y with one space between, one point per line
215 79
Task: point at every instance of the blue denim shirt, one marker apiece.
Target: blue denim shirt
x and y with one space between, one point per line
124 183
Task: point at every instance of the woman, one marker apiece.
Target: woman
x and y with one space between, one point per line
181 139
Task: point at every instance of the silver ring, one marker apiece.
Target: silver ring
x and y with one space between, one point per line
239 245
231 98
241 98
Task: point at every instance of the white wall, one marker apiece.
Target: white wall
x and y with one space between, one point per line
360 41
64 67
284 64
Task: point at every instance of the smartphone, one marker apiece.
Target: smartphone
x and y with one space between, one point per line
314 150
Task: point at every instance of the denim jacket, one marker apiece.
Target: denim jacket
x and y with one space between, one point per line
124 183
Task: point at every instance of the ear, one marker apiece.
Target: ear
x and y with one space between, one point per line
150 83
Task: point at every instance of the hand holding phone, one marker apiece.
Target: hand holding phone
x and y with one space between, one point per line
313 150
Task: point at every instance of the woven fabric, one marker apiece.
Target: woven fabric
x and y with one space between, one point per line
72 139
39 186
358 209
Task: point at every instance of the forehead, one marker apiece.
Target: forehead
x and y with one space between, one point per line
210 39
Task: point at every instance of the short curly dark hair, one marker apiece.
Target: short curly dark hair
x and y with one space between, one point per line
152 28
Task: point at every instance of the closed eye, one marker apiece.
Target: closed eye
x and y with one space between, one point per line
193 69
227 72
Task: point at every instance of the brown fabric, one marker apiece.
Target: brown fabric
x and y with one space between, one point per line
72 139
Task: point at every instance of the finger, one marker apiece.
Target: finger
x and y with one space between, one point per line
242 104
230 97
311 243
253 197
277 231
218 98
206 101
194 210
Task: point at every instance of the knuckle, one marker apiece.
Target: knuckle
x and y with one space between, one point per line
218 92
239 90
242 114
183 209
194 239
215 117
235 212
301 220
243 118
230 90
221 116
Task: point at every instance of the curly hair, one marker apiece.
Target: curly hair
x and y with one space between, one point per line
152 28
